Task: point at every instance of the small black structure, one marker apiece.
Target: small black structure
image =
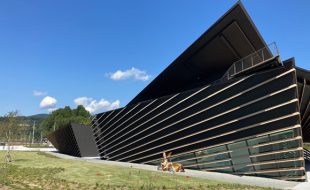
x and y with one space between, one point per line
75 140
228 103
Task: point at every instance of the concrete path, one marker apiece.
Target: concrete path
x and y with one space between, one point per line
245 180
23 148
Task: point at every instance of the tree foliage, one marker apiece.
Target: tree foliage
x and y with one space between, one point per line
9 126
10 129
20 129
63 117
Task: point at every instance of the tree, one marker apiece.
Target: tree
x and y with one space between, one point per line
10 128
63 117
81 111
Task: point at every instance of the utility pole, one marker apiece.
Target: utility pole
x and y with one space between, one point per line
29 139
26 137
33 127
54 125
41 137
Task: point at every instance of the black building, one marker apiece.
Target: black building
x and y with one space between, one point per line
75 140
228 103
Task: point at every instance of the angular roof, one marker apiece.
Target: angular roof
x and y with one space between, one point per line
232 37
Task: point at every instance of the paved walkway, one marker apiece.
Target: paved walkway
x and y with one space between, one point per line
245 180
23 148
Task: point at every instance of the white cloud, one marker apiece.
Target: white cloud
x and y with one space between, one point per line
39 93
94 106
50 110
134 73
48 102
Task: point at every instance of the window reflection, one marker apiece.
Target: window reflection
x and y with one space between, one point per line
245 156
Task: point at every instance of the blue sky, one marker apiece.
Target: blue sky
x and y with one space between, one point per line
68 50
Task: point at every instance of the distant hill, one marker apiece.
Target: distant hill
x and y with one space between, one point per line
38 116
30 119
33 117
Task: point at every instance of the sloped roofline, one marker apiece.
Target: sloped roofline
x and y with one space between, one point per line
204 38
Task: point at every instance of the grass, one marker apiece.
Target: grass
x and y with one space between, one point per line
38 170
36 146
307 146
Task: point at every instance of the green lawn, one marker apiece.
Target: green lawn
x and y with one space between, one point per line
307 146
37 146
37 170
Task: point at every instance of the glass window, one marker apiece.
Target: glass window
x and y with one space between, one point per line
206 159
226 170
282 135
215 165
241 160
292 164
266 166
286 155
264 158
297 132
240 152
212 158
221 156
292 173
189 162
201 153
287 145
243 168
237 145
259 140
291 154
274 174
216 149
274 147
183 157
254 151
262 149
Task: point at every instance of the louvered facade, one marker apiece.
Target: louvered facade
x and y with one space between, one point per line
227 104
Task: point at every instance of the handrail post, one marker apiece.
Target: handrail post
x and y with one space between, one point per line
276 47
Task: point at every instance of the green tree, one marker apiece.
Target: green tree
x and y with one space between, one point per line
63 117
9 128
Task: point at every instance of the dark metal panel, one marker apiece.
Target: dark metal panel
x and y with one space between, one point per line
84 140
302 93
238 40
63 142
300 90
75 140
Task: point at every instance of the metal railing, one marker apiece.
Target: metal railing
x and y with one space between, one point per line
253 60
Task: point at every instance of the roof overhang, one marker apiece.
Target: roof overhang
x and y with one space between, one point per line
232 37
